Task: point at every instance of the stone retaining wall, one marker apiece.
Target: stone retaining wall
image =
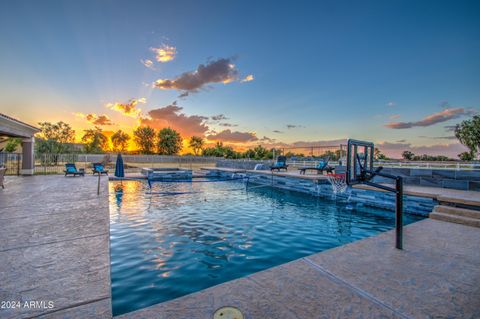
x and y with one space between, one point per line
445 178
322 188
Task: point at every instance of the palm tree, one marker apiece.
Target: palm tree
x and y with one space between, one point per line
144 137
196 143
120 141
169 141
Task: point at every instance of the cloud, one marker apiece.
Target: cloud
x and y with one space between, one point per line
248 78
394 116
218 71
395 150
292 126
267 139
391 104
99 120
147 63
234 137
95 119
184 95
219 117
432 119
277 131
450 128
129 108
171 116
440 137
336 142
164 53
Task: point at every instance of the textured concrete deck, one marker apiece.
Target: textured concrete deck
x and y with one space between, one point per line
54 246
437 275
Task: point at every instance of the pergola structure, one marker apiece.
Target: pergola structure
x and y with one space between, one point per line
11 127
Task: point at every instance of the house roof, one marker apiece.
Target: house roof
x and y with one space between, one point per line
10 126
19 122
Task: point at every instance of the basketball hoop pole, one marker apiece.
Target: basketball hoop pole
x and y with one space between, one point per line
398 190
360 171
399 212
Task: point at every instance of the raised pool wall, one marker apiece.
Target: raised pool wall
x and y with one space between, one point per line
444 178
321 188
467 180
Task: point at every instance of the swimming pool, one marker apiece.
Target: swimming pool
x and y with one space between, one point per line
186 237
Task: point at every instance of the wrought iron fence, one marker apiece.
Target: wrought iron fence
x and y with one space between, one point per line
12 162
55 163
459 166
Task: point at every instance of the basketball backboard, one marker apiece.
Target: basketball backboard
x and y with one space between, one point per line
359 161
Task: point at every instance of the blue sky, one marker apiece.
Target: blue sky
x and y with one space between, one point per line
333 69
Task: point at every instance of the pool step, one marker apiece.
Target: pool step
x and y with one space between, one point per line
457 211
456 215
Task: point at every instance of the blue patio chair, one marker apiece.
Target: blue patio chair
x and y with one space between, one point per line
281 163
71 169
98 168
322 166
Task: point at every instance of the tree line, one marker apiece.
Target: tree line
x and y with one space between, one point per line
59 138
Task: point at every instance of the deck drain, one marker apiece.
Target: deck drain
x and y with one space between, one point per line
228 313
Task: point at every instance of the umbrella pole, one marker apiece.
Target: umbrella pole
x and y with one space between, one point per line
98 187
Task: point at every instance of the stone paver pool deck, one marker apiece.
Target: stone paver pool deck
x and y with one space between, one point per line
54 246
54 235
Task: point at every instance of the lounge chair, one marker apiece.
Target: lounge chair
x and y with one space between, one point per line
281 163
322 166
2 175
98 168
71 169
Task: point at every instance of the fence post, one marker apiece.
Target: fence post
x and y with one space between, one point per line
18 164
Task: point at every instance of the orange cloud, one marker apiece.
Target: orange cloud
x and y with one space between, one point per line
218 71
248 78
395 149
234 137
164 53
432 119
129 108
96 119
171 116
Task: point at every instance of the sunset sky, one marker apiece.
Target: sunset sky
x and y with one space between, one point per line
399 73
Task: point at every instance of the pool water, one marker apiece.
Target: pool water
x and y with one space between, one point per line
180 238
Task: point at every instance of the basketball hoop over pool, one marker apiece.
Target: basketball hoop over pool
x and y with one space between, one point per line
338 182
360 170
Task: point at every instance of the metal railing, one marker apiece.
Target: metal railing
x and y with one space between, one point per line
55 163
432 165
420 165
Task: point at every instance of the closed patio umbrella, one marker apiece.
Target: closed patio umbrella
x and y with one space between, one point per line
119 169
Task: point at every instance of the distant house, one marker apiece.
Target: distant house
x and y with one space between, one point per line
11 127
